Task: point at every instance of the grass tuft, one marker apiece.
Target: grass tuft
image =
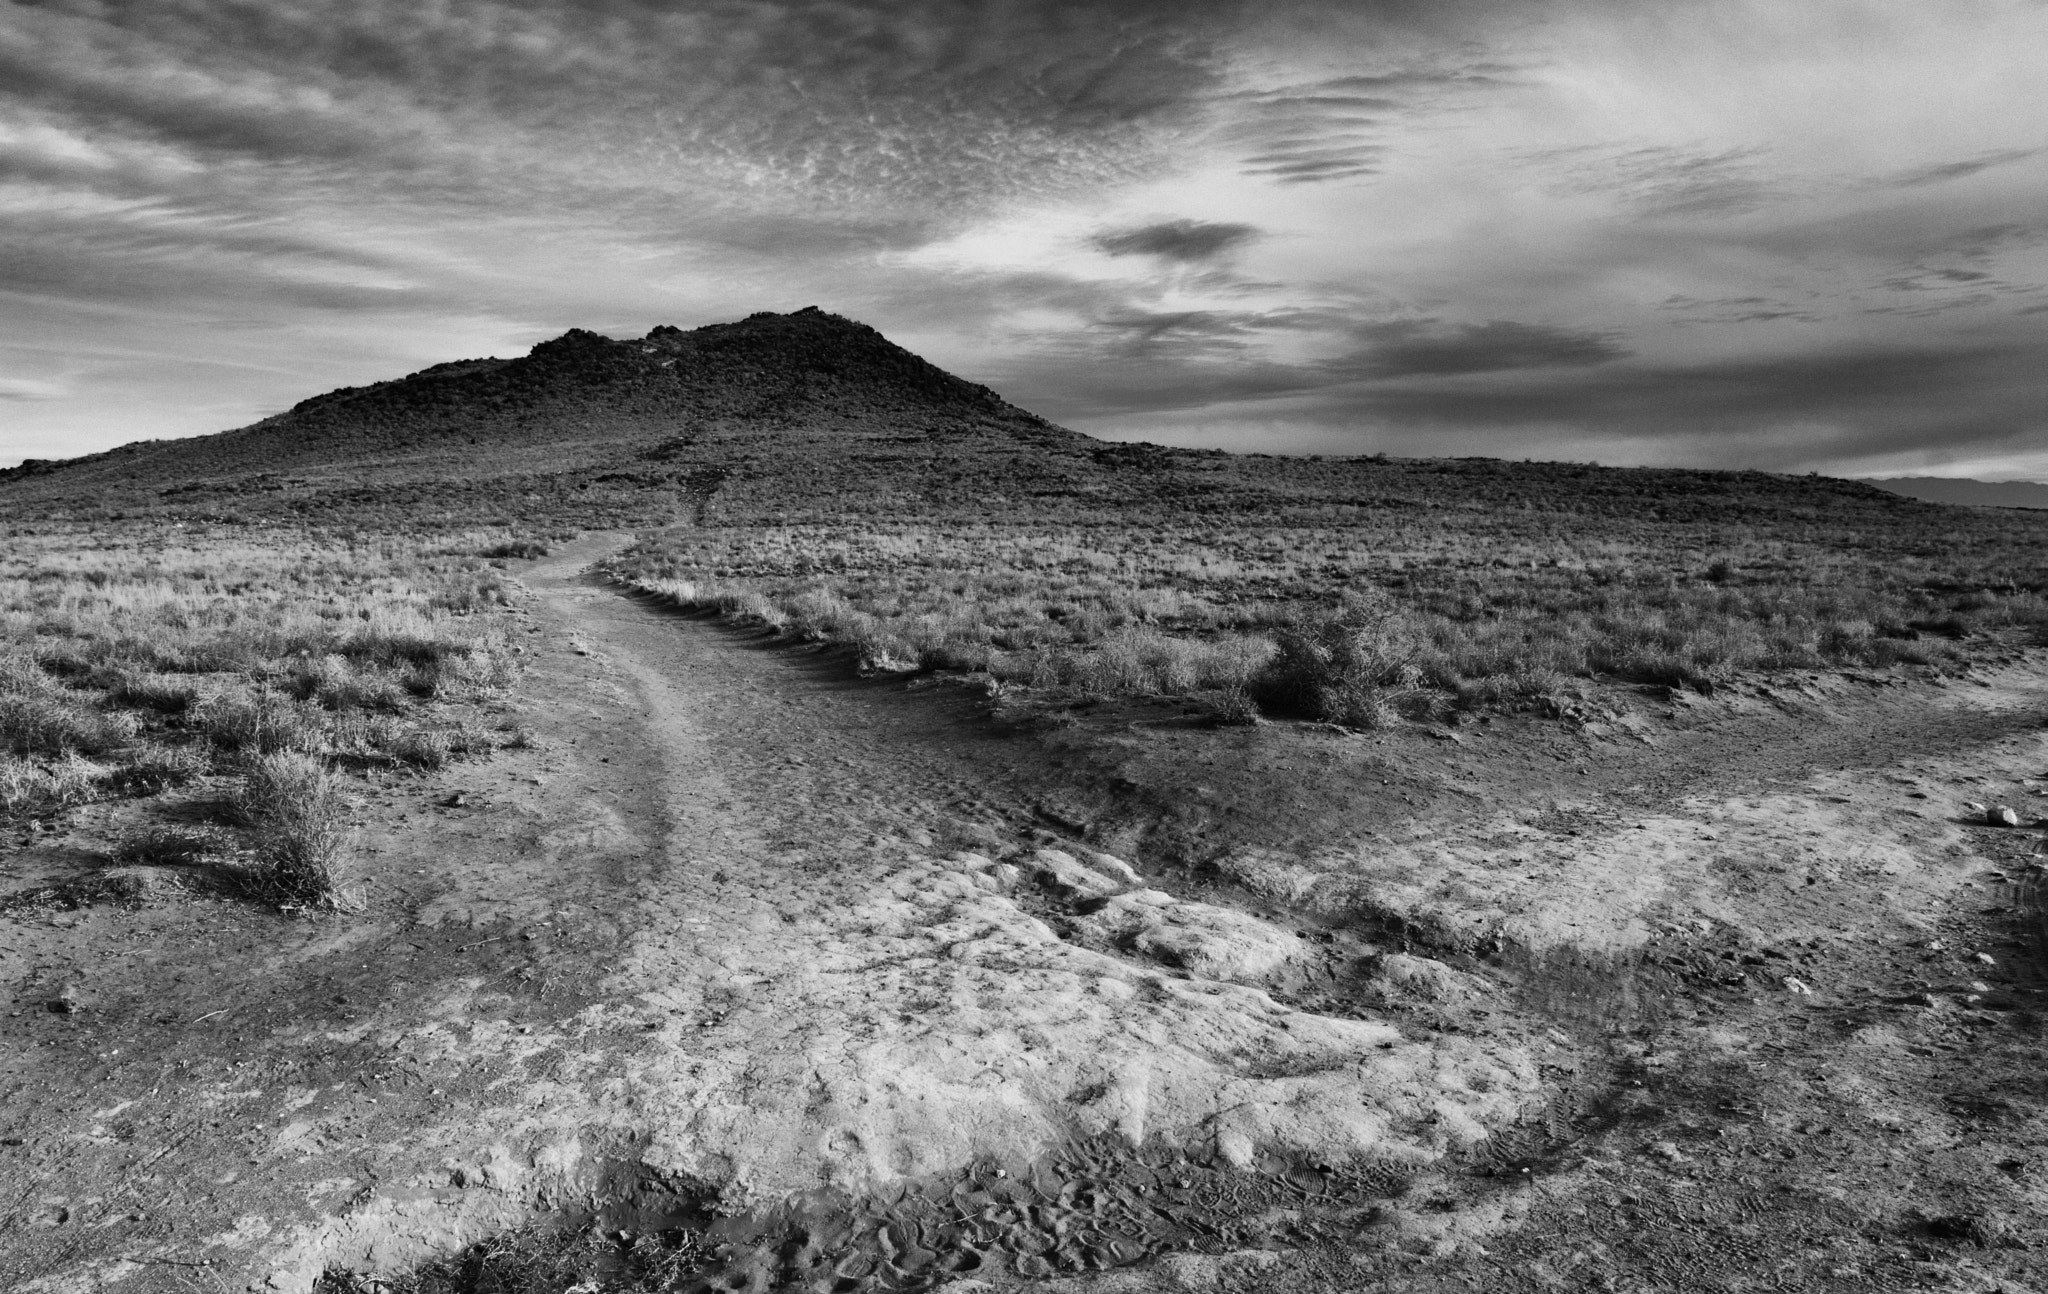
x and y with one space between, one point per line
291 807
261 722
56 726
31 788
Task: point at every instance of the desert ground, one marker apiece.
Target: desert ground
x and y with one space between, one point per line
747 810
754 972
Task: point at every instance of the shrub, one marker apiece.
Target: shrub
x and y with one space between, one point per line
1337 670
260 723
517 548
162 693
292 810
20 675
1233 708
420 747
336 684
154 769
52 725
29 788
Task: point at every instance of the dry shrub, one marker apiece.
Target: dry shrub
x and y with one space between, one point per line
28 787
523 549
50 725
20 675
1233 708
464 674
1340 671
154 769
292 810
162 693
336 684
261 723
422 748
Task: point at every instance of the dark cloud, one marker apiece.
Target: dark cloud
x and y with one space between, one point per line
1750 412
1946 171
1416 348
1132 359
1176 240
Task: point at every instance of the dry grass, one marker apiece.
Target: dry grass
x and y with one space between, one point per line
1353 614
292 810
135 659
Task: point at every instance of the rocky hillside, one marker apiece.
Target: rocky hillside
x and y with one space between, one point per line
771 396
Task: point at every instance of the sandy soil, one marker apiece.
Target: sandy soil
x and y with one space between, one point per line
1672 993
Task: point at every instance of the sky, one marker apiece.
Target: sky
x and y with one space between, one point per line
1803 235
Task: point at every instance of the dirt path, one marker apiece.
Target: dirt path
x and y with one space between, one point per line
747 934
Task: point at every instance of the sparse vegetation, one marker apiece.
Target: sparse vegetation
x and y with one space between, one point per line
137 659
1353 613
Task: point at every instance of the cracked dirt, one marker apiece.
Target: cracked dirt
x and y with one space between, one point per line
757 974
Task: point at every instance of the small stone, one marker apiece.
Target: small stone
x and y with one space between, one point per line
1985 959
2001 815
1974 806
1979 986
1793 984
1667 1150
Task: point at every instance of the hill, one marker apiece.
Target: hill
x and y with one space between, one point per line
770 397
803 415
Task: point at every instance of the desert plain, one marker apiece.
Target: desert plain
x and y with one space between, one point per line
747 810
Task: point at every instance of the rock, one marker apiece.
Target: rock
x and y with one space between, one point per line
1216 943
1985 959
1974 806
70 1001
1421 977
2001 815
1005 875
1960 1226
1066 875
1111 865
1667 1150
1206 941
1793 984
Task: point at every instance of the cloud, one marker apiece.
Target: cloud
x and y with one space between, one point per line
1410 348
29 388
1176 240
1664 180
1941 173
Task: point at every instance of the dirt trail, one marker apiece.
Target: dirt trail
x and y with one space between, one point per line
749 933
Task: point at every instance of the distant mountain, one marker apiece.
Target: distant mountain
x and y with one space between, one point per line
1956 489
